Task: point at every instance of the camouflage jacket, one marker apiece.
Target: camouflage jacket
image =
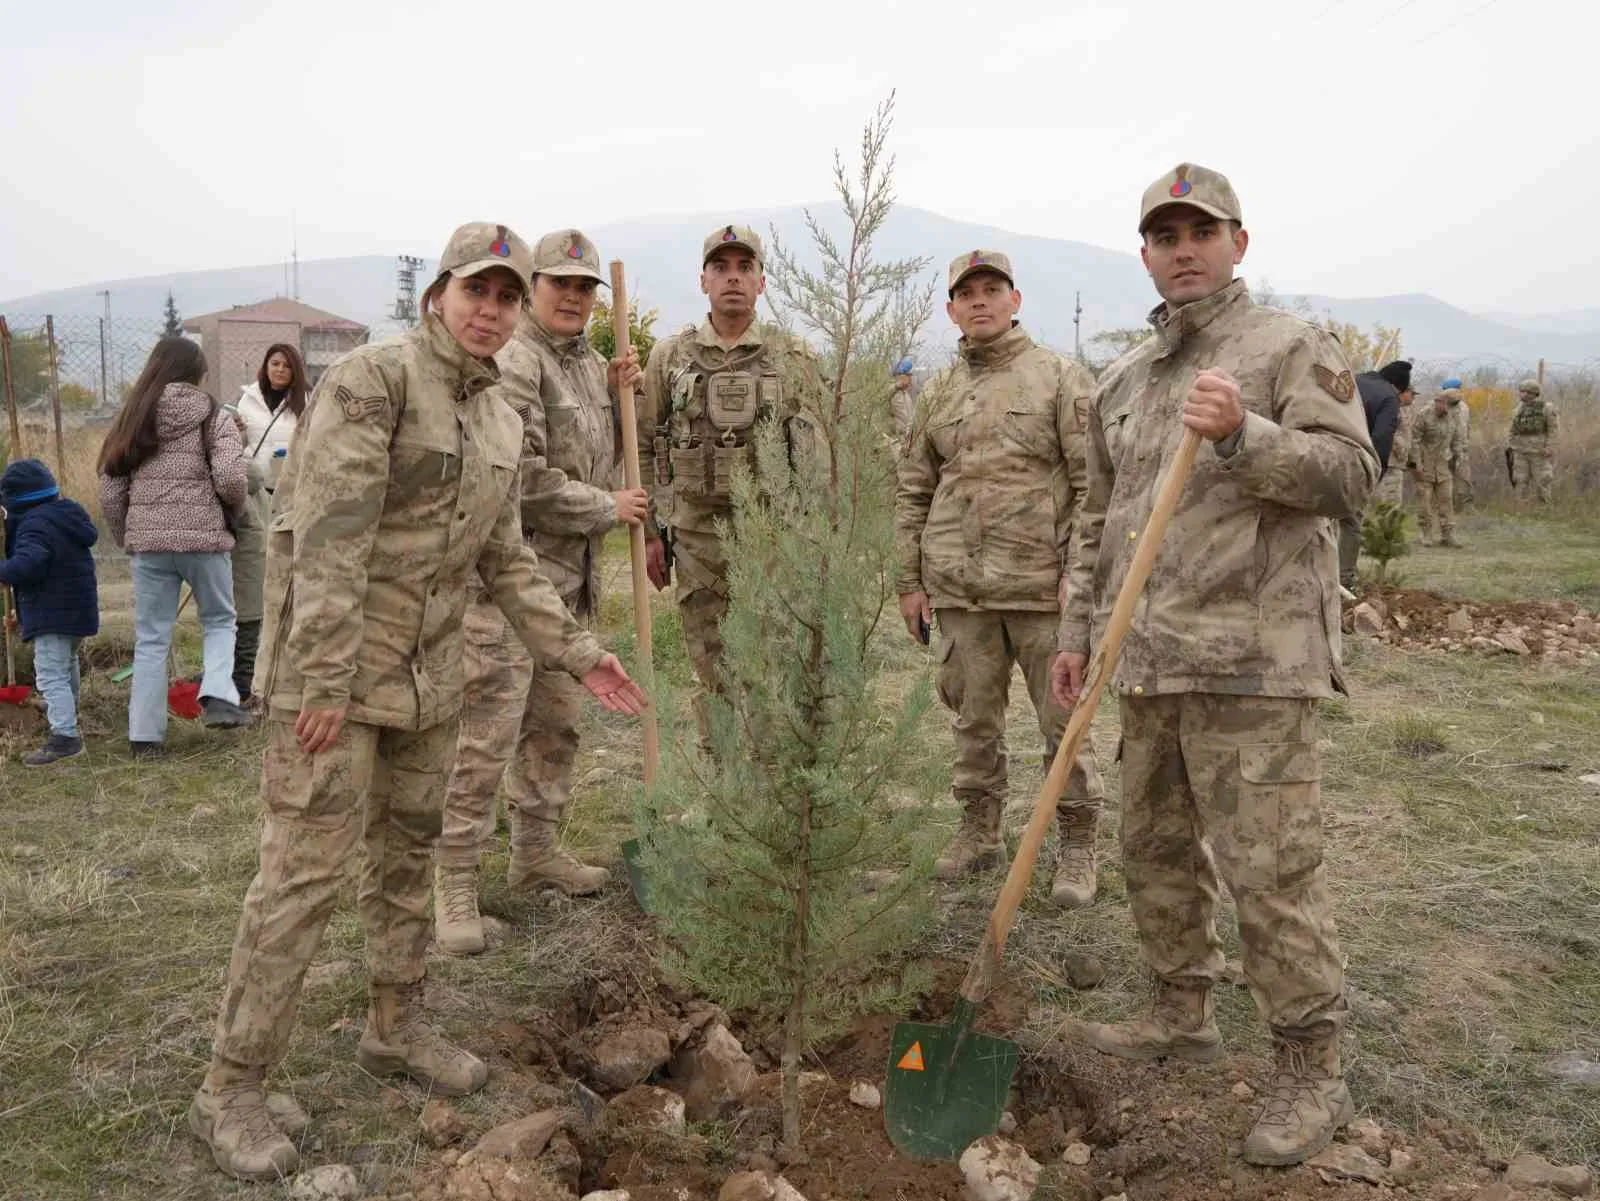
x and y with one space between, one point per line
1400 448
1244 595
991 477
401 482
1533 428
569 454
1435 441
679 462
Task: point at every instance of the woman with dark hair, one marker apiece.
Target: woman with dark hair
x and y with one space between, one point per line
267 410
172 477
401 494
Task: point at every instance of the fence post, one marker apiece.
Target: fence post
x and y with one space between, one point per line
11 391
55 396
105 386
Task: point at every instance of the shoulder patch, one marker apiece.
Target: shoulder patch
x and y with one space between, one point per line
359 408
1340 385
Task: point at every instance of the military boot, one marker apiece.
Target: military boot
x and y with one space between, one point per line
398 1041
1180 1024
978 844
457 926
1075 884
1307 1100
231 1114
538 861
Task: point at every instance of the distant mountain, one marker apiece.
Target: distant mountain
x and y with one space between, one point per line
663 271
1574 321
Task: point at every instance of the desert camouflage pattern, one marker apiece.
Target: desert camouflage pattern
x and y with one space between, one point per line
369 806
1240 774
977 652
1193 186
1243 598
401 483
1435 441
1391 487
991 477
1462 471
1533 444
686 462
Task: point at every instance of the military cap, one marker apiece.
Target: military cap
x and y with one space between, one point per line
974 261
482 245
741 236
1529 387
1198 187
567 252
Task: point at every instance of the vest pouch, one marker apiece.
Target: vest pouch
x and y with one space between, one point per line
689 475
725 460
732 401
663 462
770 394
686 393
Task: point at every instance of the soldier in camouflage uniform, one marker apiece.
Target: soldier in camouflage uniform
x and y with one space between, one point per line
706 391
401 489
1460 467
1392 484
512 712
902 402
1232 645
1533 443
1436 445
988 486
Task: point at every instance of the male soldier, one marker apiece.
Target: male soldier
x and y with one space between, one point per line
706 389
903 402
1436 443
1234 642
1533 442
1380 400
989 484
514 712
1460 469
1391 487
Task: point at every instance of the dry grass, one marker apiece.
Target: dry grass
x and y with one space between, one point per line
1467 899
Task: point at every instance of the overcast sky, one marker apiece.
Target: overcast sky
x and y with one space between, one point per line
1378 146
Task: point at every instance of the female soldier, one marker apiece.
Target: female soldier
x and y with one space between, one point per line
401 484
558 382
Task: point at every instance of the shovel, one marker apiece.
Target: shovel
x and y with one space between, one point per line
13 693
947 1084
628 419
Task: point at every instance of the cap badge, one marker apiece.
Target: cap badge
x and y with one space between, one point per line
977 259
575 251
501 246
729 236
1181 186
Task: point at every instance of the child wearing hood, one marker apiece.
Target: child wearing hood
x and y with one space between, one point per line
49 568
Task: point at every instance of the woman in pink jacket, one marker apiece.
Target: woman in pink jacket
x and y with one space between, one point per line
172 477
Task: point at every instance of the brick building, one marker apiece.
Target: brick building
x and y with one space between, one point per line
235 340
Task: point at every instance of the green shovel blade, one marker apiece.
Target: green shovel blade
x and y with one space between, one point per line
956 1095
635 871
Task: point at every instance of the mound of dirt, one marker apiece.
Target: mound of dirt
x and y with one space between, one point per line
1552 631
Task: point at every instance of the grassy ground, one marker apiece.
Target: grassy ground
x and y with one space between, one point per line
1463 864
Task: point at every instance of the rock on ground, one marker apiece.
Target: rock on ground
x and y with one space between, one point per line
331 1182
646 1109
522 1139
867 1095
1534 1171
607 1194
1367 619
715 1076
998 1170
1346 1161
1572 1067
629 1055
1077 1154
502 1180
758 1186
441 1125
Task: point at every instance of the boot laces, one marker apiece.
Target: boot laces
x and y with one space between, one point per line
1292 1083
246 1107
459 895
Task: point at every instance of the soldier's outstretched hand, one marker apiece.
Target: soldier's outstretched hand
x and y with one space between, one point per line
613 687
1066 678
1212 408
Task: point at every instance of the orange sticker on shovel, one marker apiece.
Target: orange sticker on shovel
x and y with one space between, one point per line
911 1061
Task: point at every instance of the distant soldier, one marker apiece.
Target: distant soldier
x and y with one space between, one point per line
903 402
1533 443
1391 487
707 389
1460 468
1436 444
989 485
1231 648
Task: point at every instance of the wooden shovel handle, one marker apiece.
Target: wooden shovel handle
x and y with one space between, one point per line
984 966
628 419
6 607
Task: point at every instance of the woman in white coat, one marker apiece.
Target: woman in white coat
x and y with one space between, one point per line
267 411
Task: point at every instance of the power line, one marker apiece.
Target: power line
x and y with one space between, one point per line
1446 29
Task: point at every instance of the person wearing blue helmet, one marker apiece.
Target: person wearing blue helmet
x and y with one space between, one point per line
902 402
1460 471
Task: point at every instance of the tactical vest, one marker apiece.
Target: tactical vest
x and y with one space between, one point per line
708 429
1531 420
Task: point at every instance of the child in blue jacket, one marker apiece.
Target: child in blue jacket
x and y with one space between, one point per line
50 571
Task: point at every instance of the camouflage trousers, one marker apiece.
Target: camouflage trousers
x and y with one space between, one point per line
513 715
1462 483
375 791
249 558
976 653
1231 786
1391 487
1535 473
1436 505
702 595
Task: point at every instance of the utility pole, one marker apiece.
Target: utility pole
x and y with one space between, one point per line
1077 326
294 251
105 328
405 292
1541 375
